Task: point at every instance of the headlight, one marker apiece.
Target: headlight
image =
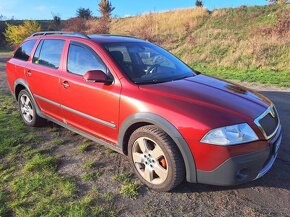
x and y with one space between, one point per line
231 135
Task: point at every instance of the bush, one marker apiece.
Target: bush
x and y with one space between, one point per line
14 34
90 26
98 26
75 24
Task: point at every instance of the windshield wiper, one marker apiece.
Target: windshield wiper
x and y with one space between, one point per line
150 82
180 78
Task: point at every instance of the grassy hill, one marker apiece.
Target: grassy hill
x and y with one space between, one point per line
246 43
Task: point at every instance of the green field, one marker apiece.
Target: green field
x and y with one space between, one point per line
30 184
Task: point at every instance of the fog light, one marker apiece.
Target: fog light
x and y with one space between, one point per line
242 174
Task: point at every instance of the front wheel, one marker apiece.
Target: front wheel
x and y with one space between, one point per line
156 158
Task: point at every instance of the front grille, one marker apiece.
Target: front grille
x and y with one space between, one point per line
268 122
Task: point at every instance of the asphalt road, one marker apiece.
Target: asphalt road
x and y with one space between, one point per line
268 196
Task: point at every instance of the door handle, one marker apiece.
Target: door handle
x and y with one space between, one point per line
65 84
28 73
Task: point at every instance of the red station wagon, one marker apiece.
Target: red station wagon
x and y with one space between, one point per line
173 122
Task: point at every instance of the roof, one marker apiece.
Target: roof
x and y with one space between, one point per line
114 38
95 38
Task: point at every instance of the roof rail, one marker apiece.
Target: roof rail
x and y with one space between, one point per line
75 34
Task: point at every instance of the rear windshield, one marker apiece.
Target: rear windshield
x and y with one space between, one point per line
24 51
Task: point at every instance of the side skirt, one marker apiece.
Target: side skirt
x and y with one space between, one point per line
84 134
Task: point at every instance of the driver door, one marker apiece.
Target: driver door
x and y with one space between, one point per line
89 106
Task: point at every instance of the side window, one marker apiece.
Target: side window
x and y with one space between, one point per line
24 51
48 53
81 59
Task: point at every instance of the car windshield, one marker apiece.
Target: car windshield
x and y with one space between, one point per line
146 63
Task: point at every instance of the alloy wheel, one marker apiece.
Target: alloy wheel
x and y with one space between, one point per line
150 160
26 108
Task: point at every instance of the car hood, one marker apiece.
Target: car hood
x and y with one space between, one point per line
216 96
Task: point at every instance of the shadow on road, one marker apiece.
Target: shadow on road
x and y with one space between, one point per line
279 175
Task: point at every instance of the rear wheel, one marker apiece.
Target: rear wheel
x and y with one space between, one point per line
28 111
156 158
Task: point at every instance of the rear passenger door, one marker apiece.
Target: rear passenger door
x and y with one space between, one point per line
43 76
89 106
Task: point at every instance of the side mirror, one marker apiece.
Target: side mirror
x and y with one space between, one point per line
97 76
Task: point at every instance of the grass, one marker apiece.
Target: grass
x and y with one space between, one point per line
41 162
246 43
58 141
263 76
110 151
84 148
123 177
92 176
89 165
30 184
129 190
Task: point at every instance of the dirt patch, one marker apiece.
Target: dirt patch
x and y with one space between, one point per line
269 195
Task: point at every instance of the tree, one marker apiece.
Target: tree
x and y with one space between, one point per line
56 23
198 3
14 34
84 13
106 9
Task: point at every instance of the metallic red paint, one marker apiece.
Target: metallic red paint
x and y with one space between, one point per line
193 105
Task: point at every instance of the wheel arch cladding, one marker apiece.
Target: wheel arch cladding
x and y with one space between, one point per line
21 84
145 118
18 87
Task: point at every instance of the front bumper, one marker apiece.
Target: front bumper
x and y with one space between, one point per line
243 168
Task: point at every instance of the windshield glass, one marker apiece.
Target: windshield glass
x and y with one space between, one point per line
145 63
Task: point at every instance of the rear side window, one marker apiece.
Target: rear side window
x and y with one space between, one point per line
48 53
82 59
24 51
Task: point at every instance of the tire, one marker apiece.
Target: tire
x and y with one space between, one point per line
27 110
156 159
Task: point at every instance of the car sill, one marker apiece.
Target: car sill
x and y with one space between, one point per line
106 123
114 147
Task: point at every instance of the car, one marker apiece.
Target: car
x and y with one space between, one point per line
173 122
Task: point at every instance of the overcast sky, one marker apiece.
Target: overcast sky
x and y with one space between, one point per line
41 9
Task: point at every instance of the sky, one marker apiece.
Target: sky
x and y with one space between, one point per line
45 9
